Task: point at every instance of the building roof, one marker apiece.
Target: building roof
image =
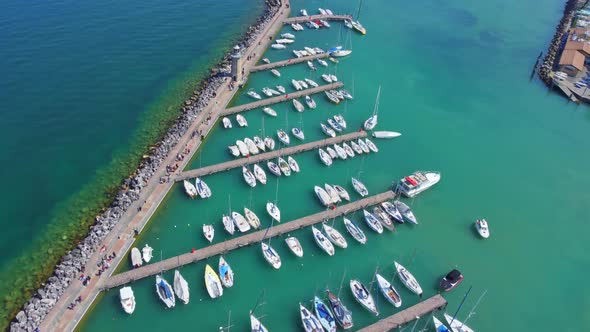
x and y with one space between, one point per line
578 46
572 58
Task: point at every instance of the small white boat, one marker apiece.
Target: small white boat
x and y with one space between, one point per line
326 159
322 11
281 89
266 60
252 148
298 133
359 187
335 237
252 218
303 12
136 257
303 84
202 188
345 94
275 72
325 23
310 102
234 151
273 168
323 62
309 321
298 105
340 121
481 225
388 291
341 192
456 325
363 145
356 147
273 211
340 53
256 325
269 143
248 177
331 97
348 24
322 195
311 83
386 134
278 46
271 256
295 246
283 137
228 224
266 91
348 149
359 27
371 122
212 283
312 25
333 60
439 326
260 174
190 189
373 222
324 315
341 313
296 85
340 152
327 130
226 123
331 152
226 274
181 287
406 212
164 292
259 143
241 120
327 78
337 93
323 241
329 12
334 78
355 231
408 279
285 41
243 148
272 92
362 296
288 35
311 65
310 50
254 94
241 222
383 218
334 125
334 197
293 164
208 232
392 211
371 145
284 166
127 299
146 253
269 111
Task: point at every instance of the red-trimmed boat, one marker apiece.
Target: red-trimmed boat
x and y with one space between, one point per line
451 280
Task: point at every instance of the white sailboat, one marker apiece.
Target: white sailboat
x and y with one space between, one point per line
256 325
181 287
259 174
309 321
127 299
243 148
363 146
359 187
275 72
326 159
388 291
293 164
259 143
252 218
298 133
327 130
371 122
136 257
164 292
271 256
373 222
310 102
386 134
355 231
273 211
226 273
331 152
335 198
341 192
294 246
298 105
248 177
296 85
252 148
228 224
408 279
273 168
212 283
234 151
340 152
327 78
270 111
311 82
146 253
371 145
284 166
241 222
208 232
202 188
348 149
363 296
323 196
283 137
322 241
456 325
269 142
281 89
335 236
356 147
190 189
241 120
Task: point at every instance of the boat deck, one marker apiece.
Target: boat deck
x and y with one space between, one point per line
303 19
288 62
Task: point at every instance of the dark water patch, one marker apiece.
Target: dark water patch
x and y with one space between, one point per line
490 37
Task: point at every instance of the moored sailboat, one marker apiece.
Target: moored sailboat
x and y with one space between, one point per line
324 315
388 291
271 256
408 279
164 292
225 273
212 283
342 315
355 231
252 218
335 237
181 287
294 246
363 297
322 241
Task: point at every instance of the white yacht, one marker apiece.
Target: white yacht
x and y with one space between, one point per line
190 189
202 188
234 151
278 46
271 256
298 133
310 102
327 78
226 274
181 287
260 174
252 218
284 166
273 168
248 177
298 105
296 85
212 282
373 222
335 236
164 292
322 195
241 120
275 72
288 35
406 212
136 257
416 183
226 123
208 232
256 325
311 83
408 279
281 88
241 222
270 111
254 94
360 187
146 253
293 164
127 299
326 159
323 62
341 192
295 246
322 241
273 211
283 137
311 65
327 130
481 225
386 134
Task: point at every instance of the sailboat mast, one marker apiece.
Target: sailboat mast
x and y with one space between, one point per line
341 282
472 311
358 13
460 305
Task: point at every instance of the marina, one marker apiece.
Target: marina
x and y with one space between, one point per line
284 63
303 19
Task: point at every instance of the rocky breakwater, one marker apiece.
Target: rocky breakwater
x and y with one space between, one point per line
74 262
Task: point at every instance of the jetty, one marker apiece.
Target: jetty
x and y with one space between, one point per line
437 302
242 241
284 63
208 170
303 19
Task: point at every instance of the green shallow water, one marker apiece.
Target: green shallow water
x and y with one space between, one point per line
454 80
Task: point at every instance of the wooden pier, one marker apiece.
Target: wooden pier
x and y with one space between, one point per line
242 241
303 19
279 99
288 62
208 170
405 316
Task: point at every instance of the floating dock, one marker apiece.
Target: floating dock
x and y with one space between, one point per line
405 316
242 241
303 19
208 170
288 62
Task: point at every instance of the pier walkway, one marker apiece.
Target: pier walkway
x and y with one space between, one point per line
303 19
241 241
421 309
288 62
280 99
208 170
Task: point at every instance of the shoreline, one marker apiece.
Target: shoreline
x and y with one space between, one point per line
151 173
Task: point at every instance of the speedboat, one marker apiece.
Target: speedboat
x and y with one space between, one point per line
355 231
359 187
293 164
181 287
323 62
259 143
342 315
303 12
295 246
208 232
241 120
252 148
284 166
346 94
226 123
334 197
383 218
341 192
451 280
334 125
385 134
296 85
310 102
243 148
311 65
456 325
309 321
269 143
212 283
362 296
259 174
234 150
392 211
136 258
190 189
269 111
127 299
331 152
165 292
332 97
283 137
310 50
406 212
241 222
298 133
340 120
298 105
271 256
281 88
439 326
256 325
254 94
356 147
335 236
348 149
275 72
373 222
322 195
225 273
273 168
327 78
481 225
359 27
326 159
388 291
278 46
248 177
146 253
371 122
408 279
324 315
202 188
288 35
328 131
418 182
363 145
252 218
228 224
311 83
273 211
371 145
322 241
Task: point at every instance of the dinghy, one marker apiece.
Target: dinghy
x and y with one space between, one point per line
309 321
269 142
323 196
283 137
190 189
383 218
386 134
322 241
355 231
181 287
311 83
408 279
252 148
259 174
324 315
273 211
273 168
323 62
269 111
481 225
363 297
335 237
136 257
359 187
295 246
208 232
241 222
271 256
241 120
334 197
248 177
293 164
341 192
243 148
392 211
252 218
298 133
342 315
298 105
228 224
456 325
164 292
388 291
328 131
406 212
234 151
202 188
226 123
275 72
326 159
127 299
284 166
146 253
256 325
226 274
212 283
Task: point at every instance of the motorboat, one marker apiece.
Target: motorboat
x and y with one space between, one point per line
327 130
342 315
190 189
340 152
252 218
271 256
363 297
127 299
371 145
327 78
202 188
323 196
266 92
408 279
273 211
226 274
340 120
212 283
341 192
260 174
325 23
371 122
288 35
303 84
310 102
284 166
334 125
136 257
275 72
241 222
266 60
164 292
256 325
248 177
273 168
456 325
383 218
269 111
293 164
312 25
359 27
439 326
392 211
388 291
332 97
335 236
348 149
311 65
406 212
252 148
296 85
241 120
146 253
356 147
181 287
295 246
355 231
298 133
208 232
363 145
326 159
234 151
281 88
416 183
297 53
298 105
386 134
322 241
337 93
226 123
303 12
254 94
243 148
269 142
359 187
228 224
332 193
311 83
451 280
278 46
373 222
346 94
272 92
481 225
324 315
285 41
309 321
259 143
331 152
283 137
323 63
